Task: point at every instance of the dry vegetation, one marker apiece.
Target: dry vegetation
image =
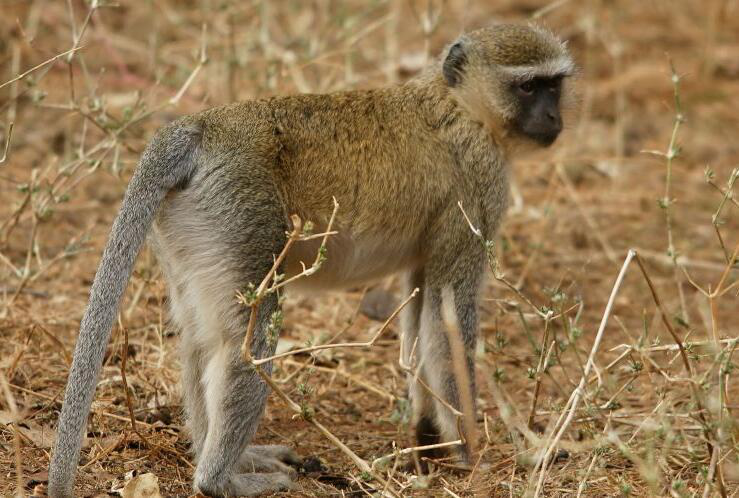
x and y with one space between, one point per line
656 415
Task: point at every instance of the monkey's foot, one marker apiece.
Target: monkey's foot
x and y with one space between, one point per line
419 461
270 458
246 485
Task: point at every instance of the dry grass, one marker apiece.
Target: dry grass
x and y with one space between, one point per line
651 420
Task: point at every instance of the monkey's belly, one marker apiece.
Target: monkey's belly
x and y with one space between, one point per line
349 262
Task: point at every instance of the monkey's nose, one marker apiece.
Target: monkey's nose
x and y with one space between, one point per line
555 120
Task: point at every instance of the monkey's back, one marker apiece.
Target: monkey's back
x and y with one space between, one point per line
314 143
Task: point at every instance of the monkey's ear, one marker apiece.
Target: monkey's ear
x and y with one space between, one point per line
453 67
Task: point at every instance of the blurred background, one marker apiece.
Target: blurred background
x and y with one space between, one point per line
648 162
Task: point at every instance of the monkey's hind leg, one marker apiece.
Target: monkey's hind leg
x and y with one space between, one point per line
234 399
257 458
219 248
193 394
183 319
235 396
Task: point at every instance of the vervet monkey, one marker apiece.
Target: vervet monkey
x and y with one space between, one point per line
218 188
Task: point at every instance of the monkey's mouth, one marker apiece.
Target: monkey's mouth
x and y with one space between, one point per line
541 130
543 136
545 139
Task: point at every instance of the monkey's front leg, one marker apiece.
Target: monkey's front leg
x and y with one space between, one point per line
423 418
460 294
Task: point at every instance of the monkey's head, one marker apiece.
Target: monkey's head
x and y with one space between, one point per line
512 78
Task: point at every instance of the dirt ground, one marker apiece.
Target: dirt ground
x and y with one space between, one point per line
646 423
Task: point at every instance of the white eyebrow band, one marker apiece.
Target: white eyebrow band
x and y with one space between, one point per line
561 66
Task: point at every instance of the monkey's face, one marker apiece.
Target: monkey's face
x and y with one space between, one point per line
512 79
538 117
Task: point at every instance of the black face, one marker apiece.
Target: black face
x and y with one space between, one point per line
539 117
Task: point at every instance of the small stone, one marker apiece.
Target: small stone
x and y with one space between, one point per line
378 304
142 486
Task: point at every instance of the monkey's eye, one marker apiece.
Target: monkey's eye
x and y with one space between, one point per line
527 87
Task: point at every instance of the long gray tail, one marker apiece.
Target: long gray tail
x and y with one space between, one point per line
167 162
